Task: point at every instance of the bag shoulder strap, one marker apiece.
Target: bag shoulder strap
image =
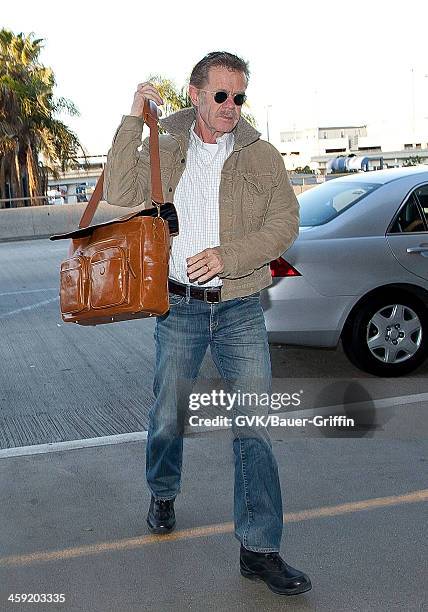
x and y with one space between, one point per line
150 116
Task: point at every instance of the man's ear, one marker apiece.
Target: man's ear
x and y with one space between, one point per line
193 94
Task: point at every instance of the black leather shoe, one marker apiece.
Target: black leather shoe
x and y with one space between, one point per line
161 516
280 577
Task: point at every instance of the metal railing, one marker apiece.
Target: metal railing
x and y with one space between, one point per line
23 199
46 201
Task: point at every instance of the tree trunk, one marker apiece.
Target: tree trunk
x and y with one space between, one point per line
2 181
15 180
33 178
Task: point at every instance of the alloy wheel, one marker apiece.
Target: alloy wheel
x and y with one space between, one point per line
394 333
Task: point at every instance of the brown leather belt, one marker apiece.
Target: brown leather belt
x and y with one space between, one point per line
212 295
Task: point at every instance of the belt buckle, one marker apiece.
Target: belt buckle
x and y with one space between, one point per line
206 290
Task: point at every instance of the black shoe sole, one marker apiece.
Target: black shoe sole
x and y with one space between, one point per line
296 591
160 530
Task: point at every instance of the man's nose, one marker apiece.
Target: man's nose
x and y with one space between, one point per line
229 103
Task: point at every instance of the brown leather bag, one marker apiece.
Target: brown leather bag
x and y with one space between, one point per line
118 270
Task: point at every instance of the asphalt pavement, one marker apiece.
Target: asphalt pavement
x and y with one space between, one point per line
73 523
60 381
73 518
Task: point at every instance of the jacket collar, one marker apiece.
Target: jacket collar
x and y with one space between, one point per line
179 124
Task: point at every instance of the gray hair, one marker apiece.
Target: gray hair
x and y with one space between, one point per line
199 75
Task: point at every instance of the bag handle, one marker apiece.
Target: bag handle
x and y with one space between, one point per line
150 116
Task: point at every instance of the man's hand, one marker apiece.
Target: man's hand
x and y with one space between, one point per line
144 90
204 265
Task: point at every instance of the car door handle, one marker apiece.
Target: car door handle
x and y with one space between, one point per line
423 248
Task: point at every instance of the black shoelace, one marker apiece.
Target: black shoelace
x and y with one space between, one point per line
163 506
276 560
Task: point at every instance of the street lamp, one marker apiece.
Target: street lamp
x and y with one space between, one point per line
413 106
267 120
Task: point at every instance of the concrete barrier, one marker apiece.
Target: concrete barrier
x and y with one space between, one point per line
43 221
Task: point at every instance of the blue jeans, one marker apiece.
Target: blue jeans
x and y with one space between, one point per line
236 332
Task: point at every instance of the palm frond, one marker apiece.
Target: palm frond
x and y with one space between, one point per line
29 124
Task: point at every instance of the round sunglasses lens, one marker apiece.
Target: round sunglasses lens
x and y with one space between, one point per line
239 99
220 97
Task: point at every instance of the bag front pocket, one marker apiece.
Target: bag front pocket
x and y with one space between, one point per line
109 277
73 285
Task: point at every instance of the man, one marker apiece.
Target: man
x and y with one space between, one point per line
237 212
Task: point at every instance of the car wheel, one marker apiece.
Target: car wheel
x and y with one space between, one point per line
387 335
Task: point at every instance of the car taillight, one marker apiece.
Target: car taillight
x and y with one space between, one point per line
280 267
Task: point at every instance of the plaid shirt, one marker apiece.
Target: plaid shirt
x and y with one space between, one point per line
197 204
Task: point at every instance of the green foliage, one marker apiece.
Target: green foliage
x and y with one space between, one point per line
29 123
174 99
304 170
414 160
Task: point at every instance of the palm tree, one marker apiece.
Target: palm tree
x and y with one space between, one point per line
176 99
29 126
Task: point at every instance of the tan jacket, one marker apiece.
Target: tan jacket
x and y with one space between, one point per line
259 212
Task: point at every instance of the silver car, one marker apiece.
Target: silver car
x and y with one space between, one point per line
358 272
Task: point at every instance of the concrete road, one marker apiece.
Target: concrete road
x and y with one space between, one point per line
73 522
73 519
63 382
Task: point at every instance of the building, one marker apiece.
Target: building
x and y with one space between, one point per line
360 147
78 184
300 147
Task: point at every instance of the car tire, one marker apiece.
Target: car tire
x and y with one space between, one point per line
373 343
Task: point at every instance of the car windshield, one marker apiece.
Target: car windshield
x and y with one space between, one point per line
321 204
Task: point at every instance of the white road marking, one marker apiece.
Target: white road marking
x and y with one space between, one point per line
139 436
29 291
54 447
30 307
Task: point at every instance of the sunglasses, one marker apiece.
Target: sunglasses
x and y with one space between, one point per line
221 96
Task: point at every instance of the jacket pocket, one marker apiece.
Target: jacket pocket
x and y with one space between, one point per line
256 194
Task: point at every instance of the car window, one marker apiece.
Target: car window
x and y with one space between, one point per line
321 204
422 195
410 217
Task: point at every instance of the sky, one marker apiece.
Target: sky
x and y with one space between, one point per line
312 63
